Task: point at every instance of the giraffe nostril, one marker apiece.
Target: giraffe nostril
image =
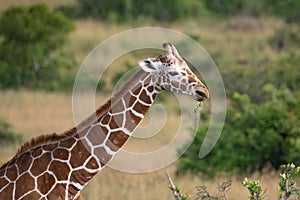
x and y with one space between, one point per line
201 95
198 92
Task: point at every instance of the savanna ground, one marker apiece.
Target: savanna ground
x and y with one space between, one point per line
37 112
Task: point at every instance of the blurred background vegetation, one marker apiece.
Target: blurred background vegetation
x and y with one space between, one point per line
254 43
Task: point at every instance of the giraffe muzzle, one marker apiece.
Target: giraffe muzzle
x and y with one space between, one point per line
201 94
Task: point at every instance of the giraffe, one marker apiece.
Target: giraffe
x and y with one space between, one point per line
58 166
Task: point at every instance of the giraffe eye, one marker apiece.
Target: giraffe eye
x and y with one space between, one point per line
173 73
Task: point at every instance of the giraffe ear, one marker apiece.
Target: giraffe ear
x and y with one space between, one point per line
168 48
147 65
171 51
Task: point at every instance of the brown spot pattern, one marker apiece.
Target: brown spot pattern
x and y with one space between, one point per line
102 155
11 173
96 135
79 154
67 143
7 192
131 121
145 98
61 154
81 176
24 162
140 108
45 182
40 164
3 182
60 169
50 147
37 152
92 164
116 140
31 196
24 184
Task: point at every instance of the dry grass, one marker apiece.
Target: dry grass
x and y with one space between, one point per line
152 186
89 34
34 113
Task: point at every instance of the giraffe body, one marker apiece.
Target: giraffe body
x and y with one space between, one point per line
59 166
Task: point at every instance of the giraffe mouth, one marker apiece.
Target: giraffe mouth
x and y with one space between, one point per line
201 95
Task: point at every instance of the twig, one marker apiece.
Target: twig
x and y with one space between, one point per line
223 187
173 187
203 194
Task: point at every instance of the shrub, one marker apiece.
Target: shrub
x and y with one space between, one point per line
7 135
172 10
122 11
254 135
30 49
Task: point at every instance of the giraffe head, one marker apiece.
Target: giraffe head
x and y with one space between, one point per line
173 74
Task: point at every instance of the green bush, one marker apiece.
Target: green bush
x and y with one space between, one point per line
227 7
286 73
254 136
255 189
250 79
172 10
122 11
7 135
288 9
30 49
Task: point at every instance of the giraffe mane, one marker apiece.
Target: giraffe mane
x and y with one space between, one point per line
39 140
54 137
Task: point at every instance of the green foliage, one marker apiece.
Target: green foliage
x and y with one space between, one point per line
255 189
30 50
286 72
287 183
288 9
122 11
7 135
229 7
87 82
172 10
117 76
254 134
178 195
286 38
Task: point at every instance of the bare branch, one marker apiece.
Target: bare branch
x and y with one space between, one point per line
173 187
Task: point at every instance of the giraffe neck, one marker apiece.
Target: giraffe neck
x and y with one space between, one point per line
109 132
102 139
59 166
